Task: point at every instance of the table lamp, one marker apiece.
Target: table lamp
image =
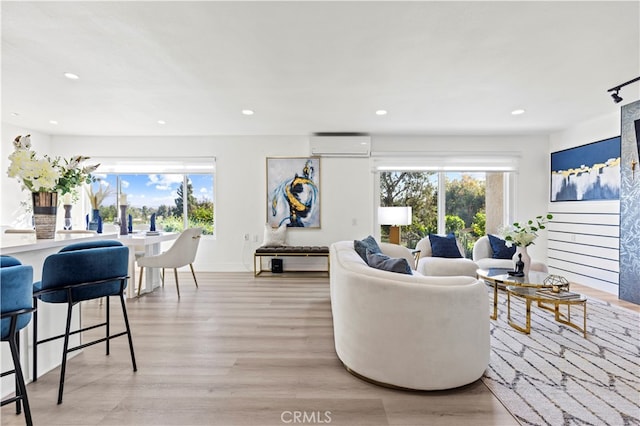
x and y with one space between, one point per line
396 217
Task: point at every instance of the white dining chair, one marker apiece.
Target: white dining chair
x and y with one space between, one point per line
181 253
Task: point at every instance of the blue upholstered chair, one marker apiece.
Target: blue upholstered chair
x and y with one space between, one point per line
16 298
80 272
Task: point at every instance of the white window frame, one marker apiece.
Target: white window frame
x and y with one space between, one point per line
163 165
443 162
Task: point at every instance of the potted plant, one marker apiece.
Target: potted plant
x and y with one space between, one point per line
46 177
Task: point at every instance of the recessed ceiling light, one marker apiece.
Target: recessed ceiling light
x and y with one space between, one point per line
517 112
53 122
247 112
162 122
71 76
381 112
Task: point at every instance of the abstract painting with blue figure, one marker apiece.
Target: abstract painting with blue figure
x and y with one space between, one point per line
293 192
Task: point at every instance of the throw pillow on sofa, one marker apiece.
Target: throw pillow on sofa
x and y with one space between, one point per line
444 246
386 263
369 243
499 248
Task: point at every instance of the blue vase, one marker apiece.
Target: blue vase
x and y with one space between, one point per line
95 219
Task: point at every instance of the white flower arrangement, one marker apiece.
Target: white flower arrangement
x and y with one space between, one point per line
523 235
46 174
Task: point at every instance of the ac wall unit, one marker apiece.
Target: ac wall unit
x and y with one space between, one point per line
340 146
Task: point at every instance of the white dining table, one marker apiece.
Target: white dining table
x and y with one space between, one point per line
142 243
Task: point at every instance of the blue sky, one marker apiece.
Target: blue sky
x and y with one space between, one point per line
153 190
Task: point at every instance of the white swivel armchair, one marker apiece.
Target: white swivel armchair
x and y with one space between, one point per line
483 256
182 253
443 266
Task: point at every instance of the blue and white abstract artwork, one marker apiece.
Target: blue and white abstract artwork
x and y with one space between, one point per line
293 194
587 172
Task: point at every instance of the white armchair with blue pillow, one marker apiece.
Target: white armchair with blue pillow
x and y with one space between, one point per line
491 252
441 255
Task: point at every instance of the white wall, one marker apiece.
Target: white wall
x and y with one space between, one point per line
584 244
240 189
347 184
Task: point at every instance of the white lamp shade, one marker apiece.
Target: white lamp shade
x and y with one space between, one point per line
398 216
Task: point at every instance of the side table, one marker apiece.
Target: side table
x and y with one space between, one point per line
531 294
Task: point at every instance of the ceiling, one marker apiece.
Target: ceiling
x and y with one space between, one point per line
437 67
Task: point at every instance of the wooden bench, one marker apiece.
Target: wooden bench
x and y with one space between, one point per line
288 251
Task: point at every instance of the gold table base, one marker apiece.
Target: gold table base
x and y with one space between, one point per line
548 304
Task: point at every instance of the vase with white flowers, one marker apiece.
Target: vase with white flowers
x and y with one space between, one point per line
522 235
46 177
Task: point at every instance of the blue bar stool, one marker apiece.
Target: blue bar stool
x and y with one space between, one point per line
79 272
16 298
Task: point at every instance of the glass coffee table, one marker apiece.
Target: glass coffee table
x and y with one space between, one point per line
549 301
500 278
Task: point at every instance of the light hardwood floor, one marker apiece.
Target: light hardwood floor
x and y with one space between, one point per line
238 350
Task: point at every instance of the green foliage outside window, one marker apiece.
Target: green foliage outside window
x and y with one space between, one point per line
478 225
453 224
176 224
465 205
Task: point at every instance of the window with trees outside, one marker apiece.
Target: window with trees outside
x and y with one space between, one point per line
444 202
179 197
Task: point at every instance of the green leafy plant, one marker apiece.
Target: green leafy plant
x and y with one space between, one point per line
523 235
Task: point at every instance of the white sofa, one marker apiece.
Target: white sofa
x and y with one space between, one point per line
443 266
407 331
483 257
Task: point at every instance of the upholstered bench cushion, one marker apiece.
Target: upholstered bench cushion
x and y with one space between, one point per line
292 250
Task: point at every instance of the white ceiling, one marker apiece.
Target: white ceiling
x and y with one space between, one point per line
437 67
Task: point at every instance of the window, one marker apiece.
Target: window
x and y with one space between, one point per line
467 198
465 212
179 192
463 198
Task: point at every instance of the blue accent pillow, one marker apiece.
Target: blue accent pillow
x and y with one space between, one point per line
499 249
444 246
369 243
386 263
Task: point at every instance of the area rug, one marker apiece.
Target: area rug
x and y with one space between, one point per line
554 376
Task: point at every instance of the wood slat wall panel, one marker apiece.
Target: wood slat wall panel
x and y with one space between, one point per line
584 242
588 207
583 270
582 260
587 218
586 228
585 280
556 247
